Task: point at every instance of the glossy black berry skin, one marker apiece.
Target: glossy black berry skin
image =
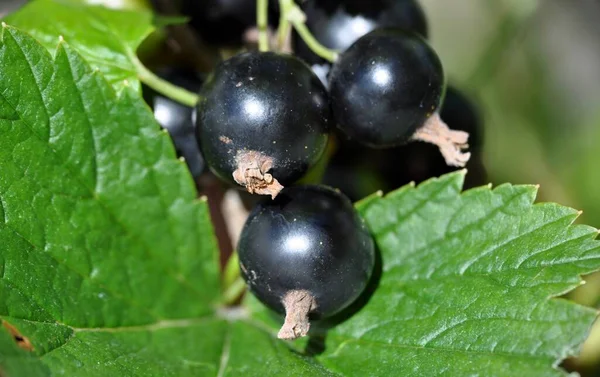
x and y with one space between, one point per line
177 118
308 238
385 86
266 102
338 23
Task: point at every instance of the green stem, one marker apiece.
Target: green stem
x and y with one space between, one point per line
261 23
164 87
313 44
284 23
231 271
234 291
294 14
283 33
233 283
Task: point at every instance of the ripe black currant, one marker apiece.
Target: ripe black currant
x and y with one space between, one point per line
177 118
263 120
359 171
337 24
386 90
306 252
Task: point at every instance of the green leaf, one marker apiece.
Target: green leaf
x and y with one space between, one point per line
106 38
99 222
466 284
108 261
118 4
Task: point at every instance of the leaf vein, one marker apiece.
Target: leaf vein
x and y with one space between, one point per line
114 293
89 128
225 352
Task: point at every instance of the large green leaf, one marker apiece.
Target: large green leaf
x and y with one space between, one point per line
466 283
100 226
106 38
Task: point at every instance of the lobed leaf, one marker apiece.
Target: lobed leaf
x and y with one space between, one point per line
102 234
466 284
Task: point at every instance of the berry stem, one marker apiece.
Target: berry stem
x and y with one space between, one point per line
298 304
163 86
284 30
234 291
262 23
231 271
292 13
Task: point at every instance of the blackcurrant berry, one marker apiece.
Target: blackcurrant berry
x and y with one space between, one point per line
386 90
262 121
359 171
177 118
306 252
385 86
337 24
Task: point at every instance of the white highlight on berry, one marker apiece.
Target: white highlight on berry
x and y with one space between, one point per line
253 108
298 244
382 76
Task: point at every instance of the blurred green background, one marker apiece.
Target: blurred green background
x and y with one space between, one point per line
534 69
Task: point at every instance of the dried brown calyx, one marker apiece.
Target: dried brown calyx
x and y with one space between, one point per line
251 172
298 305
451 142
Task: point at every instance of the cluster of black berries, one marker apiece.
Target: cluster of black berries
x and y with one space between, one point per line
264 120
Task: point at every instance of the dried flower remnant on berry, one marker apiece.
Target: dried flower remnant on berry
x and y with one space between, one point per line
298 305
252 173
450 142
